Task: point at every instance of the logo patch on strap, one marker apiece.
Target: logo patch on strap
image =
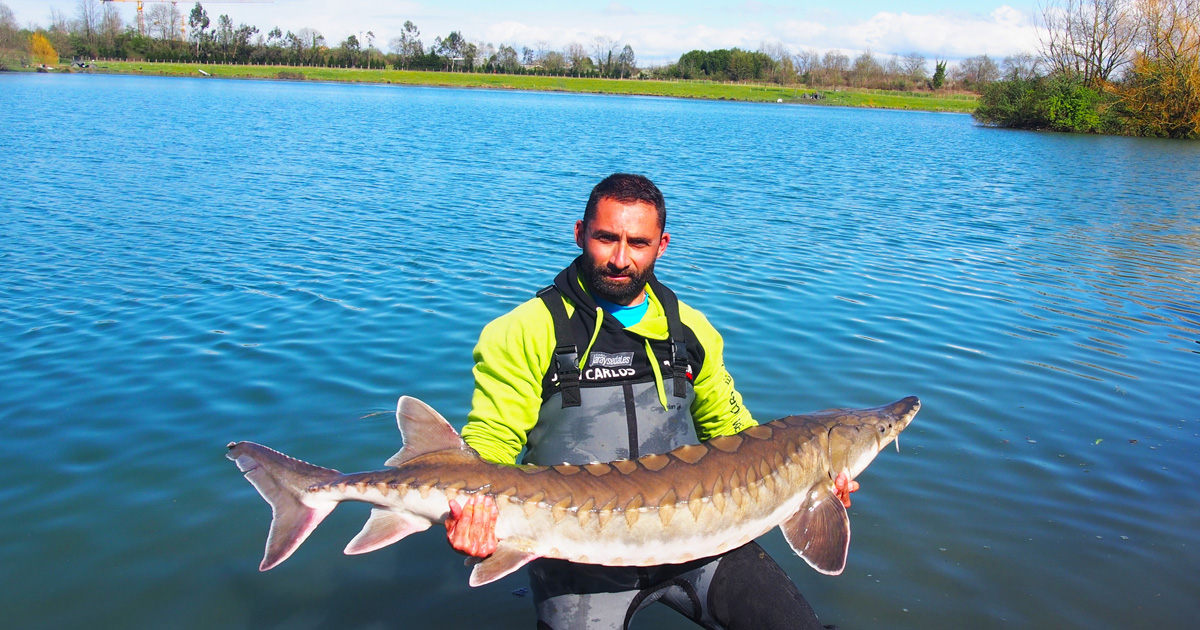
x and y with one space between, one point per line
603 359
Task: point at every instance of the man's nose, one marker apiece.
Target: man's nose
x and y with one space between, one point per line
620 257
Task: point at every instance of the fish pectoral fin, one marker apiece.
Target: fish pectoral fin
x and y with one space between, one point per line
383 528
509 557
819 531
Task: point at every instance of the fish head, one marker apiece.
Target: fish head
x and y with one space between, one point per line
856 437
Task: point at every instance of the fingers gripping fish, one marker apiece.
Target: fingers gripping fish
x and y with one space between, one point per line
693 502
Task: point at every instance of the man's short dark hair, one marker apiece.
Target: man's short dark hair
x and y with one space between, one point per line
627 188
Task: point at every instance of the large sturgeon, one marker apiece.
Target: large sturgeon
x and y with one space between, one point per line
693 502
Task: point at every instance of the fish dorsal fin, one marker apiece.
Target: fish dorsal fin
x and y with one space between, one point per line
423 430
819 531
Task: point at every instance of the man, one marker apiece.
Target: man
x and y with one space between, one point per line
607 364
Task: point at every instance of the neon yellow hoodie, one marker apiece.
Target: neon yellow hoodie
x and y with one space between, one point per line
515 351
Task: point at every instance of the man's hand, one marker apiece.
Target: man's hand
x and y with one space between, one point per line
845 485
471 529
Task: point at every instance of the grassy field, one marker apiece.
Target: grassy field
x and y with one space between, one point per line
848 97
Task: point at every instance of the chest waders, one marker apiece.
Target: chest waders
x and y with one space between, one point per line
609 406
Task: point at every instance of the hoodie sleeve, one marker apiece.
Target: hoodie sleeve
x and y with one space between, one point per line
513 353
718 408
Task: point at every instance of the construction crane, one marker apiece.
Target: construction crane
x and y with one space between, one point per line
141 19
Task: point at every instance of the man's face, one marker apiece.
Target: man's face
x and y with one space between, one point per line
619 249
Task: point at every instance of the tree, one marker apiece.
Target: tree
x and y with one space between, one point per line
507 60
41 50
1161 97
407 46
602 54
197 25
470 53
306 45
939 74
164 21
834 66
450 49
626 62
87 16
741 66
914 66
349 50
808 62
974 72
578 57
10 31
1091 38
59 32
223 36
866 70
554 62
782 70
111 25
1020 66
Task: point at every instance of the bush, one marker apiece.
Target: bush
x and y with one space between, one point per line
1017 103
1058 103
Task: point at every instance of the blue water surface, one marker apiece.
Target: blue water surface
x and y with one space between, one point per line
188 262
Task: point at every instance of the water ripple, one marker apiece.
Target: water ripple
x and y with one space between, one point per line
280 261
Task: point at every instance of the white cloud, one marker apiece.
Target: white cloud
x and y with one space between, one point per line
948 35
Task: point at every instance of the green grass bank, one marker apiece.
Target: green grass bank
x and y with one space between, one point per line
846 97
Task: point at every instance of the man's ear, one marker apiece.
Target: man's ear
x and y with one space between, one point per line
579 234
662 245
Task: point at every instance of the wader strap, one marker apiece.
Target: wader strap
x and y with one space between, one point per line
566 354
679 357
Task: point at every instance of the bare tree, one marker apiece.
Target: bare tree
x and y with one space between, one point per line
974 72
1022 66
163 21
1090 38
834 66
783 70
59 32
110 24
604 50
578 56
87 20
866 70
915 66
807 61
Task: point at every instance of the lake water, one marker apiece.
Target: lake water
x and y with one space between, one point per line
188 262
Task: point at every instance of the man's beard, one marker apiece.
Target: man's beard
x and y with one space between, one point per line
598 280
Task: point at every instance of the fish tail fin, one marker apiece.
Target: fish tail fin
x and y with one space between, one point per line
283 481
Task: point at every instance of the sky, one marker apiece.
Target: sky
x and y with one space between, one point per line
659 32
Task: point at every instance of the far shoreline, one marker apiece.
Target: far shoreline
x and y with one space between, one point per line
703 90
